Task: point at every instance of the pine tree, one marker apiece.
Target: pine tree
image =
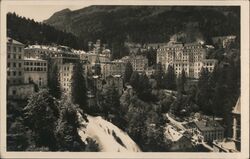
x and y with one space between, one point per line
110 102
159 75
78 87
53 80
134 80
41 114
170 78
204 96
67 125
181 82
128 72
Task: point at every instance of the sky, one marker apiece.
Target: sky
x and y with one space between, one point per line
40 12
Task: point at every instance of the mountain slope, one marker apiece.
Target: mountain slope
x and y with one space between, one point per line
145 23
109 137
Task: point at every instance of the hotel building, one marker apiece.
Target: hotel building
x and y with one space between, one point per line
188 57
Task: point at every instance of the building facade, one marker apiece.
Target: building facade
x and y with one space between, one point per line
36 70
188 57
210 130
65 75
139 62
112 68
20 91
236 113
15 54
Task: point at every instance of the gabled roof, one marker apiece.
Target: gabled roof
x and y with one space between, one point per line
172 134
237 109
10 40
208 125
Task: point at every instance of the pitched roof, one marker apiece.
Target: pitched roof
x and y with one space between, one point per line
13 41
237 109
172 134
208 125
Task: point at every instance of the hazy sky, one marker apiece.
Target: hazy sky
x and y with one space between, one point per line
40 12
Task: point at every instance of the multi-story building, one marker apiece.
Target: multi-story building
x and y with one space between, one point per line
110 81
116 81
179 141
112 68
224 41
15 54
236 113
188 57
210 130
16 86
35 70
139 62
65 74
231 144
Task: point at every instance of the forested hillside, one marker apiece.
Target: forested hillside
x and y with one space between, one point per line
146 24
28 31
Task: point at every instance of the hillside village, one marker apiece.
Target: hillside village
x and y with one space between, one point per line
29 68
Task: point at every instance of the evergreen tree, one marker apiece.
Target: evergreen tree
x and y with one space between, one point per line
159 75
53 80
41 114
110 105
78 87
128 72
204 96
144 90
155 140
170 78
67 125
151 56
181 82
17 139
134 80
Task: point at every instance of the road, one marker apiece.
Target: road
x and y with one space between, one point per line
176 123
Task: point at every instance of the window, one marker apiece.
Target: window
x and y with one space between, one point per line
8 64
14 49
14 56
20 73
14 92
14 64
14 73
8 48
8 56
20 49
19 56
8 73
20 64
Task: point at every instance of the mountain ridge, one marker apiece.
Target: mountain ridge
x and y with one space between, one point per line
103 22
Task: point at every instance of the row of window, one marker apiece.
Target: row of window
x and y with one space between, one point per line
35 69
15 49
14 56
14 73
14 64
35 63
14 81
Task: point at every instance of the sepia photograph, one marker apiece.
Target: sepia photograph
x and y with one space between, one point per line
124 78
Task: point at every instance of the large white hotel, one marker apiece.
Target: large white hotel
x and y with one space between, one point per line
190 57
